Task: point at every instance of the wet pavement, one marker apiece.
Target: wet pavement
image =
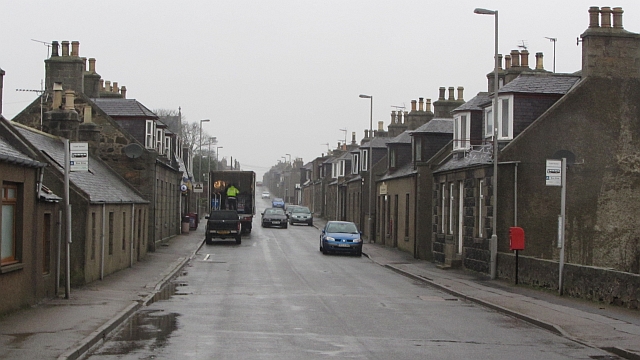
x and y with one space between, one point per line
67 329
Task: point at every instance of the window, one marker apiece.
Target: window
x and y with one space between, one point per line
461 132
451 193
341 167
480 207
8 241
355 160
159 141
392 158
46 244
417 144
488 122
167 146
365 159
443 199
150 132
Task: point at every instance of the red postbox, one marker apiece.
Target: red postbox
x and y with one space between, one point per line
516 238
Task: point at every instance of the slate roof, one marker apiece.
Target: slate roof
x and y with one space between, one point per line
480 156
345 156
403 138
377 142
540 84
12 155
475 103
100 182
403 171
436 125
124 107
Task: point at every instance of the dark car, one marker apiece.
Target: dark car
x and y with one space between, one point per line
301 214
289 209
341 237
274 217
223 224
277 202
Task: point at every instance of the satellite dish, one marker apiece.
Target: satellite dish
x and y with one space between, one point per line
183 187
133 151
571 157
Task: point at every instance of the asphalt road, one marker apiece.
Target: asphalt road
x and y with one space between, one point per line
276 296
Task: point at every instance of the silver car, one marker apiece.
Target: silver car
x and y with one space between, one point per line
301 214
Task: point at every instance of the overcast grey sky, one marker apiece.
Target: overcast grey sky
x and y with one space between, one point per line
283 77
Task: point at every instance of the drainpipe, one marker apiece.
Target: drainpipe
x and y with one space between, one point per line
59 261
104 219
133 211
515 196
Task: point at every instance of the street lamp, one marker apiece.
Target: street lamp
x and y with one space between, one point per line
493 244
217 163
200 165
212 139
289 179
370 161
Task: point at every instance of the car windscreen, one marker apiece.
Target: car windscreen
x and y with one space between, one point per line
274 212
348 228
304 210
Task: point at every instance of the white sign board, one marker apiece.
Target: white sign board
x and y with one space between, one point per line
554 173
198 188
79 156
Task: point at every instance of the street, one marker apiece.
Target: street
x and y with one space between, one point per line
277 297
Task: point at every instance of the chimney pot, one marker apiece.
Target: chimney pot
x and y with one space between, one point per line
87 114
54 49
123 92
427 106
393 116
594 20
115 87
499 61
420 104
605 17
515 58
65 48
366 134
539 62
380 126
617 18
92 65
69 100
451 92
441 95
101 85
57 95
107 86
75 48
524 58
353 137
460 93
507 62
413 105
399 119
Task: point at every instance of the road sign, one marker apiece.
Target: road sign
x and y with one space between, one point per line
79 156
554 173
198 188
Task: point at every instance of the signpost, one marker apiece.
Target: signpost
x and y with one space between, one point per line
198 188
556 175
79 153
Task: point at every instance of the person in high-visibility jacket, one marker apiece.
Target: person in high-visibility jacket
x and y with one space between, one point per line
232 202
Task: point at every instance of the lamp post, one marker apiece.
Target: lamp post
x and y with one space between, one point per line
290 173
493 244
370 165
212 139
217 163
200 165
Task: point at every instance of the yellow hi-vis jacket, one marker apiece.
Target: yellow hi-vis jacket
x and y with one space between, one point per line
232 191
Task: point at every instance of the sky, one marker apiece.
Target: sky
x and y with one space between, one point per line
282 77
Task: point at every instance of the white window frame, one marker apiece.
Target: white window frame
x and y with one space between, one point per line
503 134
417 148
150 134
488 122
9 219
355 161
334 170
167 145
365 159
461 131
443 198
341 168
159 141
392 157
460 216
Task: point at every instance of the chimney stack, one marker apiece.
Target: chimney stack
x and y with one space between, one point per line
451 92
413 105
75 48
524 58
420 104
617 18
65 48
605 17
515 58
539 62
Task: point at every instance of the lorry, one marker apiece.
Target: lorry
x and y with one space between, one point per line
221 180
223 224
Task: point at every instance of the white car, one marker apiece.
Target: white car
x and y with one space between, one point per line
266 195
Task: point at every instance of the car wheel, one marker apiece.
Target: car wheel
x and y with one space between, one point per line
310 223
358 253
322 249
285 225
208 241
238 240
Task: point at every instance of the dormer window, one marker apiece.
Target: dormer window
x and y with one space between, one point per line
365 159
159 141
505 118
355 162
417 148
167 145
150 132
461 131
392 158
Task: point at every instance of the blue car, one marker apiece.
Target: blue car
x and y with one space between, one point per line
341 237
277 202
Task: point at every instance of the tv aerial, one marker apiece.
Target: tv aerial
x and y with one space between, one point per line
399 107
523 46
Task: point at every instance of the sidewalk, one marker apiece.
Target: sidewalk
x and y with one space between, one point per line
66 329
